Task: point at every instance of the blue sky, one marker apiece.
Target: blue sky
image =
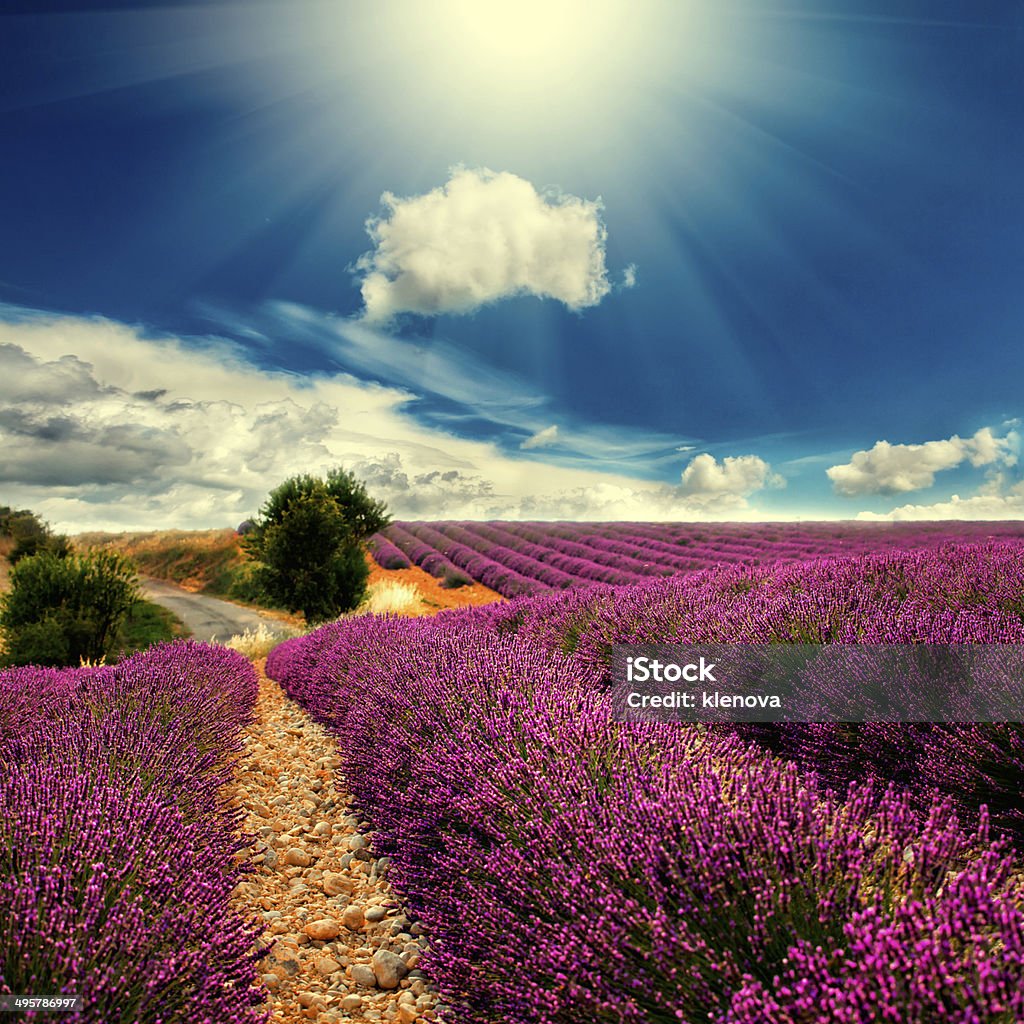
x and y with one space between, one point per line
547 260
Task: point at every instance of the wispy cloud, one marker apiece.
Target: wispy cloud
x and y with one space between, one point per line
542 439
481 237
474 391
424 366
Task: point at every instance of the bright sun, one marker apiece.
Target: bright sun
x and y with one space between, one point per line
526 65
531 37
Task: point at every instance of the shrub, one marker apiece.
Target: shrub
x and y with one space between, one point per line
310 563
60 611
244 584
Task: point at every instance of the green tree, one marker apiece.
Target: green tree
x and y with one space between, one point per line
308 540
61 610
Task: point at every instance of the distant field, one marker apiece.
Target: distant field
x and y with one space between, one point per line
516 558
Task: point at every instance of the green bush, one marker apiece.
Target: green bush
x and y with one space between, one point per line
242 583
309 562
31 535
62 610
362 514
308 542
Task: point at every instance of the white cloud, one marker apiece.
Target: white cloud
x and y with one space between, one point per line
102 428
481 237
543 438
898 468
629 276
706 481
1006 505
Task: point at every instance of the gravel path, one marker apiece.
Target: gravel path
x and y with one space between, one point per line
340 948
206 617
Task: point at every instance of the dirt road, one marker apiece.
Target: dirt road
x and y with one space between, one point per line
205 617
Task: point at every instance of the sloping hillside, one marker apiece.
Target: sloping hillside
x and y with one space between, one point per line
204 561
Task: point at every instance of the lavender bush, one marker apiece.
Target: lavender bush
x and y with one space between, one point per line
117 847
386 554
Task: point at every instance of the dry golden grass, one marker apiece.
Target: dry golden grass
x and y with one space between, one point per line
257 643
392 597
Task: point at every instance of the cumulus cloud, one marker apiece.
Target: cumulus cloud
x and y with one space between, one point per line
898 468
481 237
61 381
109 436
423 495
543 438
706 481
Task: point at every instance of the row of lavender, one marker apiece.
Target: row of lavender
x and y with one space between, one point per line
958 594
528 558
117 845
573 870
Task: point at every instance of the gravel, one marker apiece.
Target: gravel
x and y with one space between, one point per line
337 944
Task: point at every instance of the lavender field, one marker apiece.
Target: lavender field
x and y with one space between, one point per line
117 843
571 869
562 867
515 558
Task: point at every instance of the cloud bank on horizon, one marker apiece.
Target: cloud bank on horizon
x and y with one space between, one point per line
998 499
481 237
104 428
